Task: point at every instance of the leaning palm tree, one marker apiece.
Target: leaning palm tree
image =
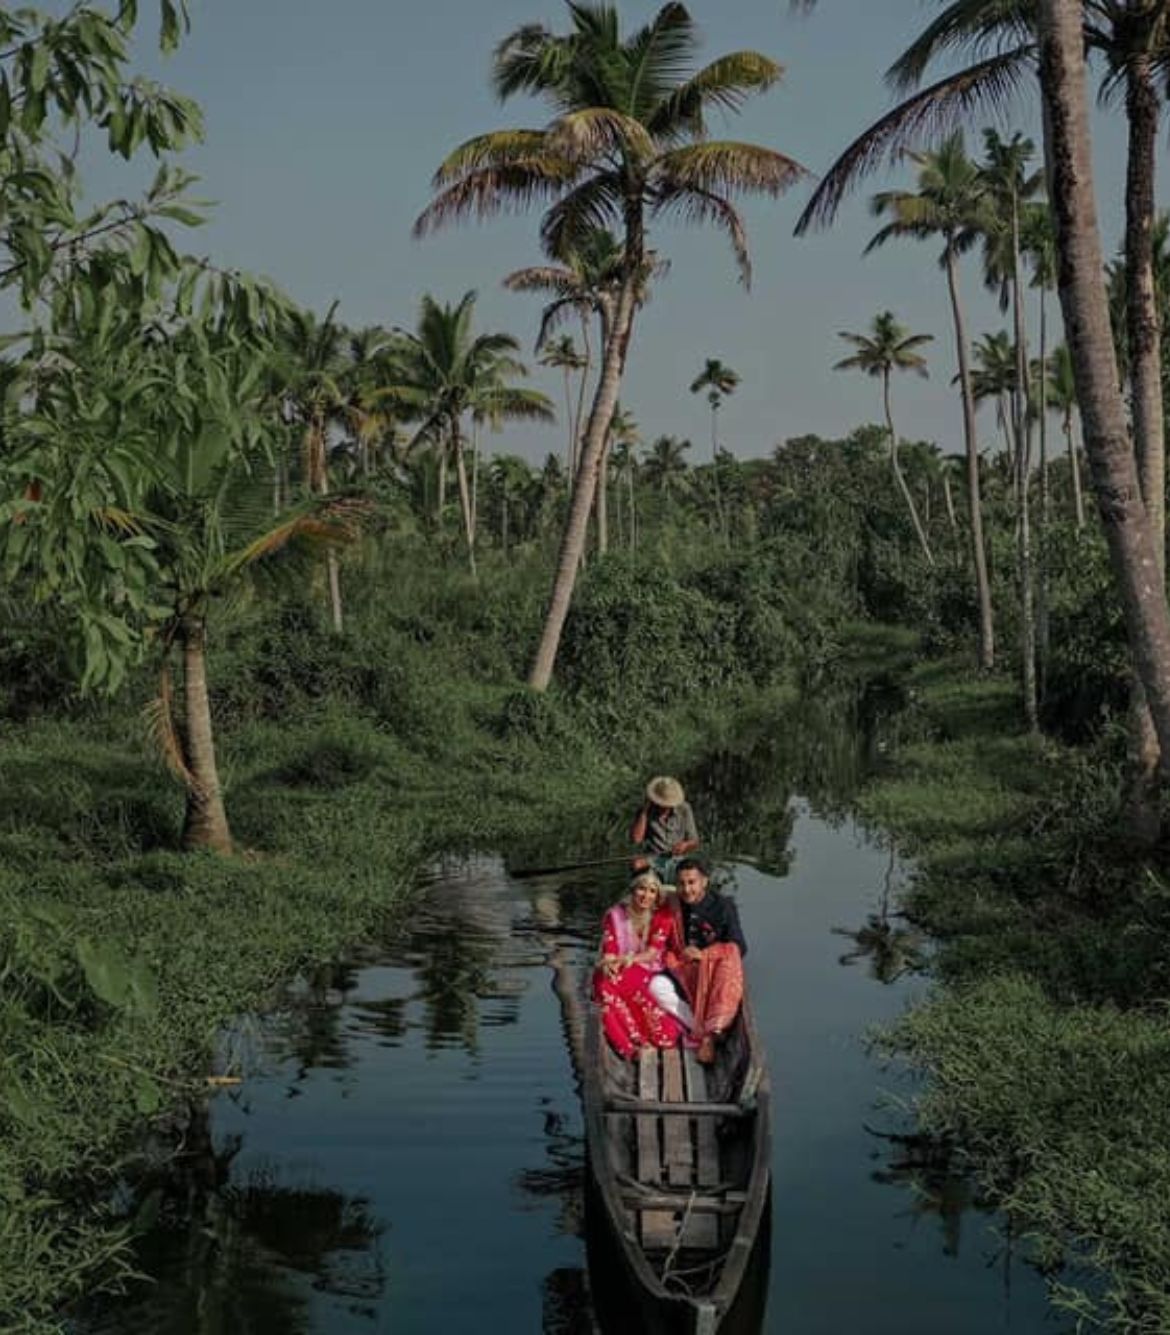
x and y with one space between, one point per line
627 146
719 380
1137 559
444 373
887 348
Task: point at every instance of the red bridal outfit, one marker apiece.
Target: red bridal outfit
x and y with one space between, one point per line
630 1015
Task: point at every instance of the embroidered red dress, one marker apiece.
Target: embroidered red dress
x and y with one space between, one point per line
630 1015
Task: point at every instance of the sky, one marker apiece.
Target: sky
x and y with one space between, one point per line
324 124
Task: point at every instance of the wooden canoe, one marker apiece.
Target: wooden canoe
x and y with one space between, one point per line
683 1195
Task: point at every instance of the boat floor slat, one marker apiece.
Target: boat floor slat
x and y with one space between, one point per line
658 1228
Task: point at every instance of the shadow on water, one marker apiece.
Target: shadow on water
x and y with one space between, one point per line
426 1080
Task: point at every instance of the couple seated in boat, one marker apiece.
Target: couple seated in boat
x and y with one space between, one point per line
671 966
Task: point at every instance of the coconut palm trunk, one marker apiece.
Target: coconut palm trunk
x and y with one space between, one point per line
605 401
1023 434
1125 520
602 500
899 477
205 826
582 388
1074 462
464 495
971 442
949 501
1042 602
1145 353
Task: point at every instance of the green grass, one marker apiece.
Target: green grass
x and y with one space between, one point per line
1045 1041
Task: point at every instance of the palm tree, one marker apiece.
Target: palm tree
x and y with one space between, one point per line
665 467
315 360
208 514
719 380
1062 395
1009 186
1127 525
445 374
622 430
627 146
949 203
583 279
886 349
563 355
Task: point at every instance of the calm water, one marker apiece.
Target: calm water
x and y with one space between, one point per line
406 1154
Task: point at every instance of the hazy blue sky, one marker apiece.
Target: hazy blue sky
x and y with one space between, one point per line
325 122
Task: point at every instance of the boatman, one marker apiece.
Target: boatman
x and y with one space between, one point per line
664 829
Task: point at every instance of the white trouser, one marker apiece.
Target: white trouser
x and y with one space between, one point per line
666 995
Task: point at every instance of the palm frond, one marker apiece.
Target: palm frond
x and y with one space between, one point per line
978 27
689 204
725 83
659 56
727 166
929 115
598 132
497 148
490 191
591 207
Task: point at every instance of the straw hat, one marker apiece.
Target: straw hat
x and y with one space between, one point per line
665 792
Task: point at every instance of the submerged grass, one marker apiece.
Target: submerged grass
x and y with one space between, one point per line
1046 1043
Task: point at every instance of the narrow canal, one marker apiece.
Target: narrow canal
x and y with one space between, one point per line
406 1151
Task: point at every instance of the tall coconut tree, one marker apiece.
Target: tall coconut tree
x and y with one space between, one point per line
627 146
1009 186
1125 519
446 372
949 203
887 348
720 381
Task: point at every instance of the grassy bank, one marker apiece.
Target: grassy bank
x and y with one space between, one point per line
1046 1043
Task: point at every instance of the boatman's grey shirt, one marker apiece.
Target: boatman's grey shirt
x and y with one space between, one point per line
669 826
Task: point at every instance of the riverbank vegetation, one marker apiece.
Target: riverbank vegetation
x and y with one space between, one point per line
271 599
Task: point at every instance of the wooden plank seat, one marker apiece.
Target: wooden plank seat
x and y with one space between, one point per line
677 1153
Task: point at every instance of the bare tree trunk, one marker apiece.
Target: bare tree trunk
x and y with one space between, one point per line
919 531
949 501
206 824
587 352
1023 433
1074 460
633 508
971 441
1145 359
601 502
1042 620
605 399
464 496
474 480
441 502
720 519
1127 527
